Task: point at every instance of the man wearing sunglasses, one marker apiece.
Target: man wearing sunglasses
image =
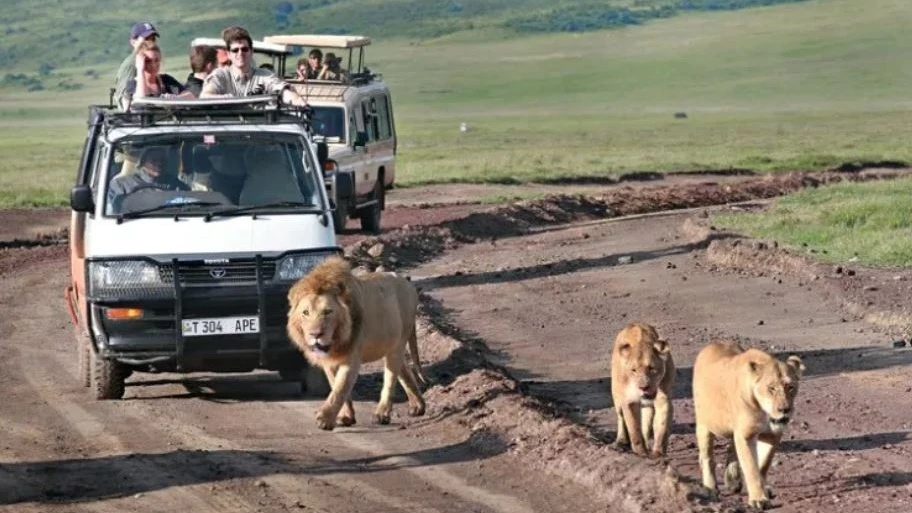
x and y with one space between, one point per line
241 78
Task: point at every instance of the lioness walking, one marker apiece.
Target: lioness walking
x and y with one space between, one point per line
747 396
642 374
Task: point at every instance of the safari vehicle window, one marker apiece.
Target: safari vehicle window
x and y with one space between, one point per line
370 125
329 122
383 118
201 174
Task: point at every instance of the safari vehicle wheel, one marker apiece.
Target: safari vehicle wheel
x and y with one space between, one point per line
370 216
340 217
107 378
84 359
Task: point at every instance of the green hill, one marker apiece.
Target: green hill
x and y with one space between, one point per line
803 85
93 32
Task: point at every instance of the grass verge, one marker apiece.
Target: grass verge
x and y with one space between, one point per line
868 221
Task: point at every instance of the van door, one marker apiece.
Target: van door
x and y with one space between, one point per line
365 170
93 159
383 150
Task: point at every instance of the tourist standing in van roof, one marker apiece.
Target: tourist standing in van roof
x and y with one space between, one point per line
241 78
141 31
203 61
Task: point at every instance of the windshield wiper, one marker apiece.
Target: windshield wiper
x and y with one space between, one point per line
253 208
133 214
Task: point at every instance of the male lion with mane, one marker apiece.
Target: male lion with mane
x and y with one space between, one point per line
340 320
642 374
747 396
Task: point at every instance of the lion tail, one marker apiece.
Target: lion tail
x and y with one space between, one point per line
416 360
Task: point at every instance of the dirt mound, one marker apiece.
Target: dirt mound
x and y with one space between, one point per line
414 244
879 296
12 259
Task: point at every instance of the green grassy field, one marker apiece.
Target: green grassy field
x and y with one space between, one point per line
796 86
870 221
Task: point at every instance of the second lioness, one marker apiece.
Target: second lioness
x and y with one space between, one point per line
642 374
747 396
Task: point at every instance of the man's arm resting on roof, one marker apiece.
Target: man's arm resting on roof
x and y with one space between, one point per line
214 86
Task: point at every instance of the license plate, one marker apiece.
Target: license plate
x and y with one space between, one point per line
220 326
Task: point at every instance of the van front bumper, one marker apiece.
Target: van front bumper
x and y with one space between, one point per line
154 337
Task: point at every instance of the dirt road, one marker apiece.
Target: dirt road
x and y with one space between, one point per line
549 305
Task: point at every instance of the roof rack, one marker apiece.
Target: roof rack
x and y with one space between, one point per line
258 46
260 109
321 40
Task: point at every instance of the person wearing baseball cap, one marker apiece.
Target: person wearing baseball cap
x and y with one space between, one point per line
141 31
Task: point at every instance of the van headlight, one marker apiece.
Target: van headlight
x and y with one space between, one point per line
130 278
293 267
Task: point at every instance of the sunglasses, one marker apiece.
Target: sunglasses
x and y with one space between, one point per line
241 49
153 61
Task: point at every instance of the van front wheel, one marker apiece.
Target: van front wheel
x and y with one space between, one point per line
370 216
340 216
108 378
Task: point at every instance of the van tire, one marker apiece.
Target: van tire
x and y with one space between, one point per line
108 378
83 359
370 216
340 216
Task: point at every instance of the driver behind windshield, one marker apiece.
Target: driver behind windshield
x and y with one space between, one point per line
150 174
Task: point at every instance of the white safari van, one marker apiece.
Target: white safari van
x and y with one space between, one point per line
191 220
354 116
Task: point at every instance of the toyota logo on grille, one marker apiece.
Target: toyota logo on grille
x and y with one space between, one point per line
218 272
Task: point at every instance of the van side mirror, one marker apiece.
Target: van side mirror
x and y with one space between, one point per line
360 139
81 199
322 154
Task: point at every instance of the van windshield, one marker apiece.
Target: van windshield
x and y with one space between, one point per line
196 174
329 122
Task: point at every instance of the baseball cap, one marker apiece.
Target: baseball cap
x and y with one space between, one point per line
142 29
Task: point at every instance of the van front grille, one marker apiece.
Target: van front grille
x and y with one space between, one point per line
212 274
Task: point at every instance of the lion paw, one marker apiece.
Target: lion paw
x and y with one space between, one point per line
657 454
416 410
326 419
710 494
346 421
639 450
760 504
382 418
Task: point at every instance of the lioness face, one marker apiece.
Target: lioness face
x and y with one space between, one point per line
317 318
775 389
645 364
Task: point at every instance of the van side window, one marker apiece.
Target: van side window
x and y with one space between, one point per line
353 127
97 168
370 125
385 130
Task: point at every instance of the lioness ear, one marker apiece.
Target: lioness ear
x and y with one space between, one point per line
662 347
754 367
795 362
